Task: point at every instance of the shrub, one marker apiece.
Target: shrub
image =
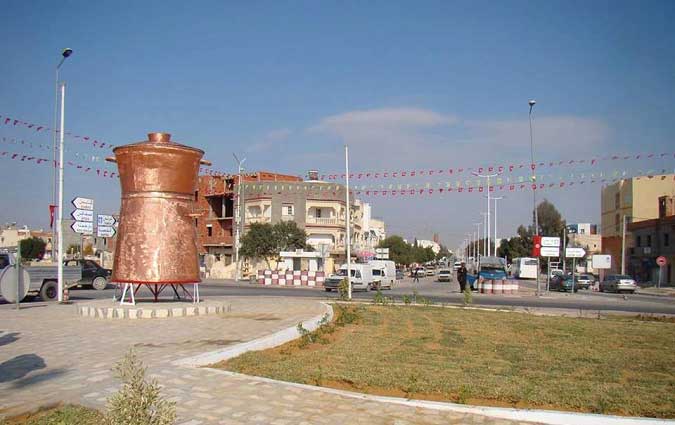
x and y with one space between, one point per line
378 298
138 402
468 296
406 299
343 289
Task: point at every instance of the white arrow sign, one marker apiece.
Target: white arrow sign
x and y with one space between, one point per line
83 227
105 231
575 252
550 251
83 215
83 203
550 241
105 220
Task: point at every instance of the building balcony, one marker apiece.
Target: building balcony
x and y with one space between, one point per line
258 219
287 217
331 221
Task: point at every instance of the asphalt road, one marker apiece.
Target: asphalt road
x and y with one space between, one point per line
447 293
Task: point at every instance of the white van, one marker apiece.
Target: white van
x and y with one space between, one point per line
362 277
384 273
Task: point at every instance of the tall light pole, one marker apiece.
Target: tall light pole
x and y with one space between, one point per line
496 199
487 229
64 55
348 223
477 247
532 102
486 234
238 218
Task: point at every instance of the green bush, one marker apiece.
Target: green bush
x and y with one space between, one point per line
343 289
138 402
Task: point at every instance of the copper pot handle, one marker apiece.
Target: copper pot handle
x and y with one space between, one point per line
205 162
111 159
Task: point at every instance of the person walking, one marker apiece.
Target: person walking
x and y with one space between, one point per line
416 275
461 276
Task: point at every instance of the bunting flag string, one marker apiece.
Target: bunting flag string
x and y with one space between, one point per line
14 122
82 156
502 169
27 158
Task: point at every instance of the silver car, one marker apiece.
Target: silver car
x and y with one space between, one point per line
618 283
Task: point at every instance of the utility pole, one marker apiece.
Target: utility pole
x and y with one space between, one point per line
534 188
496 199
487 228
59 259
349 239
239 220
64 55
623 246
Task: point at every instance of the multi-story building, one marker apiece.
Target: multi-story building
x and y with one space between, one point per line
652 239
636 200
215 203
435 246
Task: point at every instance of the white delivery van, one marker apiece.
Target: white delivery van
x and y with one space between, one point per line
384 273
362 277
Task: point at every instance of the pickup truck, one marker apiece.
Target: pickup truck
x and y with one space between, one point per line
43 278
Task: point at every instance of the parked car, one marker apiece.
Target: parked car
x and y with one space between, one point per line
618 283
563 283
93 275
457 265
585 281
445 275
556 272
431 271
421 272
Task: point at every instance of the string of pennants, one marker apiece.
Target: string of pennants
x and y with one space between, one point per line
81 156
509 168
518 184
42 129
27 158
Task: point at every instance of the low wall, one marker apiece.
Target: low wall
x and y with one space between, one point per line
497 286
291 278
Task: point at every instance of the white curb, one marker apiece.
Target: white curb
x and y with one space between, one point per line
278 338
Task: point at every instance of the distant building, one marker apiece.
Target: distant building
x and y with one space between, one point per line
651 239
634 198
435 246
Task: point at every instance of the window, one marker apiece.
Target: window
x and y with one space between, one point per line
318 213
666 239
617 203
287 209
649 240
209 231
638 241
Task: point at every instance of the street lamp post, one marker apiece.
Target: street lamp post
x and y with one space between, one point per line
534 187
496 199
239 218
64 55
477 252
487 229
486 234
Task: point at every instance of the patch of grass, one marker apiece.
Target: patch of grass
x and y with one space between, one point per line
70 415
611 366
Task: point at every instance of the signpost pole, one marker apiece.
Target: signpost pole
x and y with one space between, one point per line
574 267
19 276
348 225
59 258
548 274
658 285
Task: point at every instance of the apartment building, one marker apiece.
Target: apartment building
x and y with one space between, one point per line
636 200
214 211
652 239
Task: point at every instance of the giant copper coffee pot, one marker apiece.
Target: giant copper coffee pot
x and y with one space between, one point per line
157 241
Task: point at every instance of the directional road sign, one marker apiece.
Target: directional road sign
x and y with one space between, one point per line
382 253
105 231
550 241
105 220
575 252
83 215
550 251
83 203
83 227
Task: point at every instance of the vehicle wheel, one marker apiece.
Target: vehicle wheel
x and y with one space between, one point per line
100 283
49 291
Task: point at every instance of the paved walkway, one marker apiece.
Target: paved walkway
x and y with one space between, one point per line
48 354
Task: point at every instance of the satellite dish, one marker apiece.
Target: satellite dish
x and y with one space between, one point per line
8 284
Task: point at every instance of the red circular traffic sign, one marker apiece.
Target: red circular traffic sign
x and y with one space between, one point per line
661 261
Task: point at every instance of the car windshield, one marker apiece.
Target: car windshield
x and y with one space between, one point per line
343 272
444 272
623 276
530 262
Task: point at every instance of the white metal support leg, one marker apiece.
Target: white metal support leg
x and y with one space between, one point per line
128 287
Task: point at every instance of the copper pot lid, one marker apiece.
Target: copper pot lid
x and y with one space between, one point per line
161 140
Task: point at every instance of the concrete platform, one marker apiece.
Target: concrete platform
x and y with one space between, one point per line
108 309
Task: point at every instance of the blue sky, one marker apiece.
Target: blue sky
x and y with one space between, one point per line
405 84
